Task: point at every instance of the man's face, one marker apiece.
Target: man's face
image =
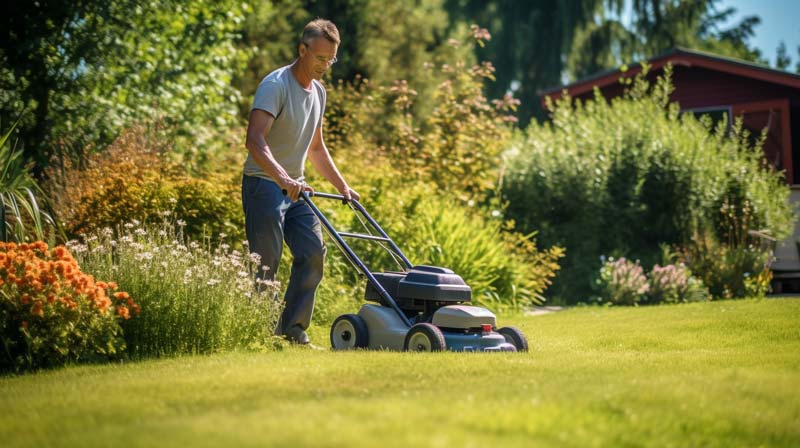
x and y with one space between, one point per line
317 55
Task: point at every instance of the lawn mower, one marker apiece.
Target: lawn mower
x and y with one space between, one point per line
418 308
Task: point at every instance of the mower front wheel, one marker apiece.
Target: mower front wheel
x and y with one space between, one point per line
349 331
424 337
515 337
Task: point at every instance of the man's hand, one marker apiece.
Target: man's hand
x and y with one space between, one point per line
292 188
349 194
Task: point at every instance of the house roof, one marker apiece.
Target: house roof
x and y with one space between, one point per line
686 58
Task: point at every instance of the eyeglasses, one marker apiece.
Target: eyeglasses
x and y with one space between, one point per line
321 59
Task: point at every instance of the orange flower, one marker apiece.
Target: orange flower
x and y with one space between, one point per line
122 295
25 299
37 309
122 311
60 252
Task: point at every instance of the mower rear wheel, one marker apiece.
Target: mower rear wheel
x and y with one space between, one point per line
515 337
349 331
424 337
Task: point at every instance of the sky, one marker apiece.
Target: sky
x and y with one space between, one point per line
780 21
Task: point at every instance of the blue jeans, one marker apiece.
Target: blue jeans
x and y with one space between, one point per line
270 219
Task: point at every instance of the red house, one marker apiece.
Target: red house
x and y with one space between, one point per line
716 85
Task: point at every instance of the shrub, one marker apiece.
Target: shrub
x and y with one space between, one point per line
133 179
622 282
193 299
628 175
674 283
52 313
729 271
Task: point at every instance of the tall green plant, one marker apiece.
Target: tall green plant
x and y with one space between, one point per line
20 215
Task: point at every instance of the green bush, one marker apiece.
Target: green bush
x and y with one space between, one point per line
193 299
626 176
52 313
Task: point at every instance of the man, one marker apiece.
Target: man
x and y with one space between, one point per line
286 127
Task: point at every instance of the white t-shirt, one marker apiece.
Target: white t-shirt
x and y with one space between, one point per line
298 113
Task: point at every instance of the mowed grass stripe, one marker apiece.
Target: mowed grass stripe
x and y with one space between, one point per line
711 374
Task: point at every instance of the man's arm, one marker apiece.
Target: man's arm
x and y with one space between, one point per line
322 161
257 130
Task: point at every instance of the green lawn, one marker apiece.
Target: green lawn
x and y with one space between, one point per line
709 374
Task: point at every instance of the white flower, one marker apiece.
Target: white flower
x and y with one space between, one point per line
181 223
212 282
140 232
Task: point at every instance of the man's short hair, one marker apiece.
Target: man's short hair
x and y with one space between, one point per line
321 28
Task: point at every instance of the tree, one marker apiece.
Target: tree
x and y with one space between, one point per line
782 59
86 68
655 27
529 41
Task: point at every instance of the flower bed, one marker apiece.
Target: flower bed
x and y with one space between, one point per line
52 313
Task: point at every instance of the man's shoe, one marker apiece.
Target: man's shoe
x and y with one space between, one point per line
296 335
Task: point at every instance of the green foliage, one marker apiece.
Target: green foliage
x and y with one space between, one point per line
51 313
729 271
624 177
87 69
457 146
655 27
19 209
529 44
133 179
193 299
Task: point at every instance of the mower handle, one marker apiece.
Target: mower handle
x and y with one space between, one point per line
307 194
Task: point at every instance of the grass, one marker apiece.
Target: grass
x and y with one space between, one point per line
704 374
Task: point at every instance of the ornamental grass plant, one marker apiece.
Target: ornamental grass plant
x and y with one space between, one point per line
194 298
